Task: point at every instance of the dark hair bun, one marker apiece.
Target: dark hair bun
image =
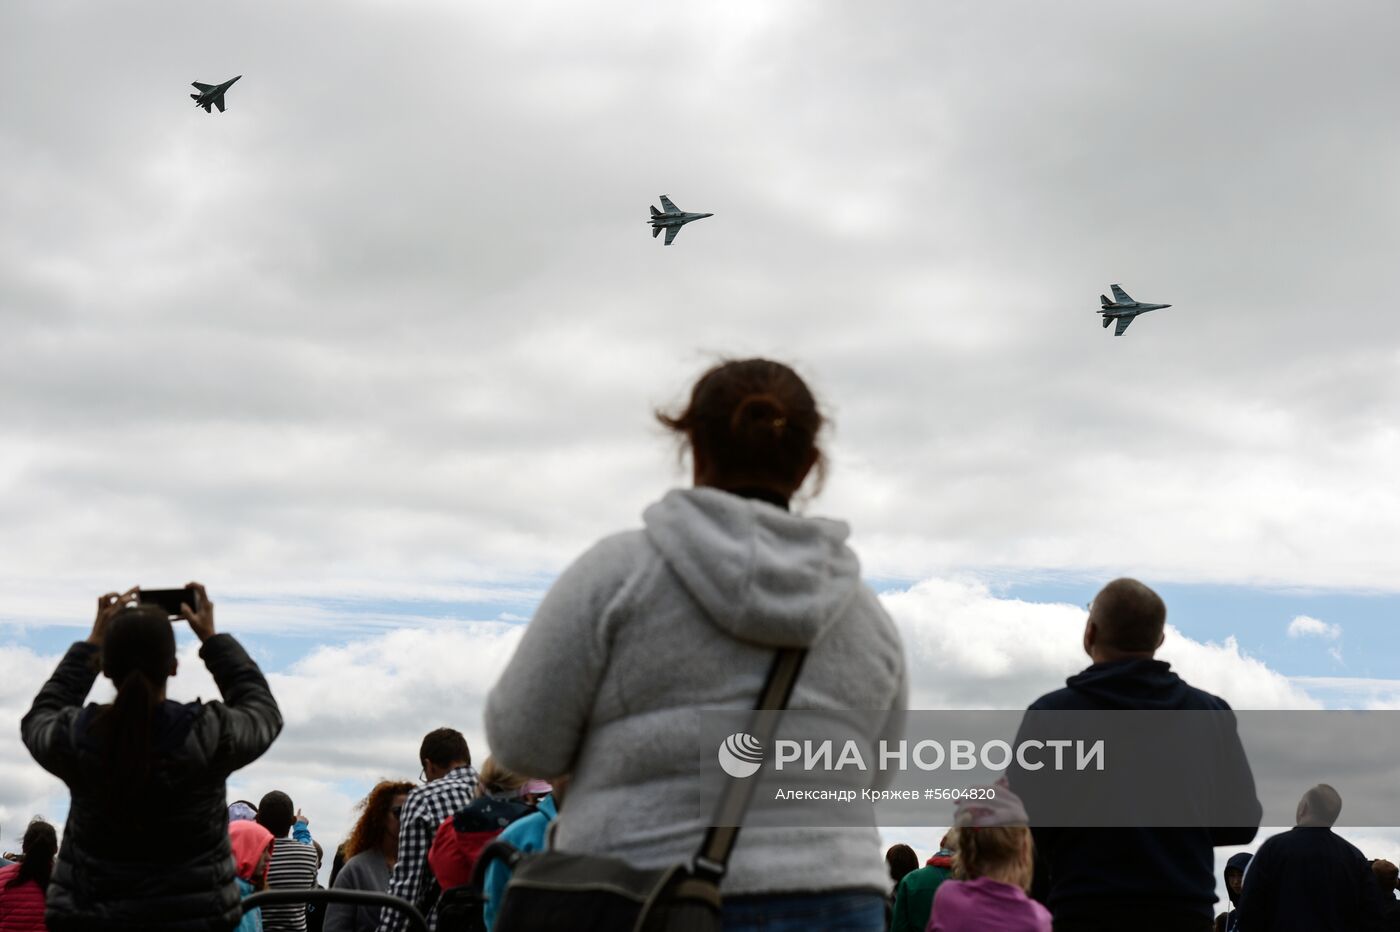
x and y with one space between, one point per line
754 420
758 419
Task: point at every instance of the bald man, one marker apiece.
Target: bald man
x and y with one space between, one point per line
1311 879
1144 879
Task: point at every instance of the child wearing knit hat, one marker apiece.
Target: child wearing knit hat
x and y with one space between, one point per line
991 869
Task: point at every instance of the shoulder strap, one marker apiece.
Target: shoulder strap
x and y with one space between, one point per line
713 858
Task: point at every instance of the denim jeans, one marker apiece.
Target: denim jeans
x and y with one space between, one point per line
838 911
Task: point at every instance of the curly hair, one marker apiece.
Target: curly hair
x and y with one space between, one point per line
368 833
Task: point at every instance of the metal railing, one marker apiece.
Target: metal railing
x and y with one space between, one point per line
353 897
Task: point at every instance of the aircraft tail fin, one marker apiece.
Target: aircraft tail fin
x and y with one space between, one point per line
655 212
1104 299
655 232
1106 321
194 97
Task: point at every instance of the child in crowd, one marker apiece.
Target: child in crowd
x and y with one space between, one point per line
23 884
252 849
502 797
992 872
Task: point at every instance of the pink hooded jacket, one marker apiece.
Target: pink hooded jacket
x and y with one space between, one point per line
250 841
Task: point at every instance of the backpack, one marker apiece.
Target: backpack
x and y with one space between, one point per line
462 908
459 839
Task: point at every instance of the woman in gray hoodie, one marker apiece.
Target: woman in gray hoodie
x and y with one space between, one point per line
649 627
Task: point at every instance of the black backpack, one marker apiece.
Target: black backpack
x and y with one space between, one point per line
462 909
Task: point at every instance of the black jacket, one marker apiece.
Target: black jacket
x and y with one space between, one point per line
158 858
1309 879
1095 872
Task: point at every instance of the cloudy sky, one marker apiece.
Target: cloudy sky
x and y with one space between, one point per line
374 353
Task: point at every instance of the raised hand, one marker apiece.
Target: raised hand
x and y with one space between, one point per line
200 617
107 607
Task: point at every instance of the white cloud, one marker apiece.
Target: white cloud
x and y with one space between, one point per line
970 649
1347 692
1307 626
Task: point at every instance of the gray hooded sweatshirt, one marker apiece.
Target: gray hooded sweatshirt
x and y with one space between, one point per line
648 628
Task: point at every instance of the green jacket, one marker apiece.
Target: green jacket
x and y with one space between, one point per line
913 901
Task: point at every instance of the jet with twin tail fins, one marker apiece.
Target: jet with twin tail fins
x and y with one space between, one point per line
1123 309
212 95
671 218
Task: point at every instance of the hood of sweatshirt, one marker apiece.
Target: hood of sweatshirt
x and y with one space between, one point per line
760 573
1237 862
249 841
1133 684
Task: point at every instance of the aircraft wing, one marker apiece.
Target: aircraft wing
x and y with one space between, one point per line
219 102
671 234
1121 296
669 206
1123 325
202 87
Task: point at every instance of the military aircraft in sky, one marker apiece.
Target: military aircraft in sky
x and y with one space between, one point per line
212 95
1123 309
671 218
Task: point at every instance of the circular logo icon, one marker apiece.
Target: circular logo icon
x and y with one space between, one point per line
741 755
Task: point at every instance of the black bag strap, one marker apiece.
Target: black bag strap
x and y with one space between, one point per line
498 850
713 859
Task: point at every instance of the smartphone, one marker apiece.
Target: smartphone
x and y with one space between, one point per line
170 599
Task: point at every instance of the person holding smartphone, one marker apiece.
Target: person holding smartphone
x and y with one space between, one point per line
146 845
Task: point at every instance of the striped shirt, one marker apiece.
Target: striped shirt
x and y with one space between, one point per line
426 808
293 867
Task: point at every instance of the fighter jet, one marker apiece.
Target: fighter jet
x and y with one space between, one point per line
671 219
211 95
1123 309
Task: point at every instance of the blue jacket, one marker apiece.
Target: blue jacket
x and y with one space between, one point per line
526 835
252 921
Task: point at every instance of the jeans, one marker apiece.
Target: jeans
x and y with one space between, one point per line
838 911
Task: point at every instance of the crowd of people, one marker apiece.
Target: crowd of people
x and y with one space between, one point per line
1307 878
643 630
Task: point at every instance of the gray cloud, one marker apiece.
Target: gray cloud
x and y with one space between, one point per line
395 316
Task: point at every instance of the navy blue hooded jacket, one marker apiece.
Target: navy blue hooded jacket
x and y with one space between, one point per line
1310 879
1238 862
1095 872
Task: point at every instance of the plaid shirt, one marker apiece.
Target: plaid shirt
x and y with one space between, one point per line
425 810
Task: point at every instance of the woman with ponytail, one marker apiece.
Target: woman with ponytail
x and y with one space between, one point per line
146 845
651 626
22 885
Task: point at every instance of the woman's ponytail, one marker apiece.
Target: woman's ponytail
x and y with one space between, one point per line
138 655
129 727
